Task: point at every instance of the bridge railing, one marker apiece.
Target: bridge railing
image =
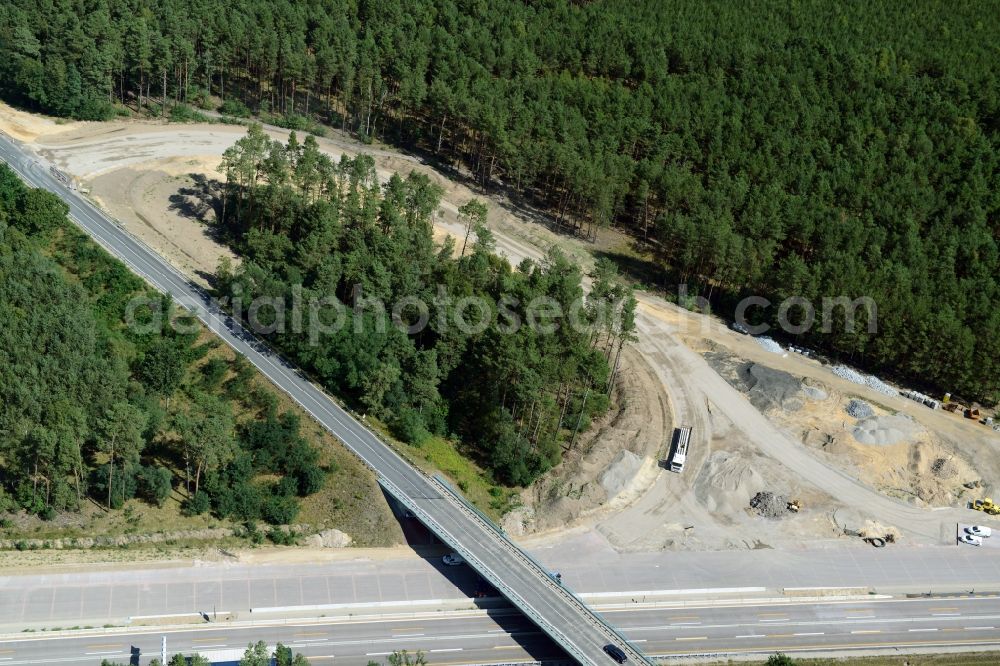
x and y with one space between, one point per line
486 572
597 619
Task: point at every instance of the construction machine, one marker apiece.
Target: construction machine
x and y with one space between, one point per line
986 505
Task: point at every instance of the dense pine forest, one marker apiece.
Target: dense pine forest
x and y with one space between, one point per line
809 148
103 402
482 358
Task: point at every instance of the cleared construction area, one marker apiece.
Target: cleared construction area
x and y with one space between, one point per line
739 471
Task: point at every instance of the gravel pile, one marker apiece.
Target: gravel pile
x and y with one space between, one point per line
860 409
769 505
870 381
770 389
770 345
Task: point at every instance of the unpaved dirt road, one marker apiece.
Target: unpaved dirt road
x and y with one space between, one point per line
700 379
667 507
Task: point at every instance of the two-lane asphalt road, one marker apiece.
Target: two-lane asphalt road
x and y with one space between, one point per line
969 624
556 611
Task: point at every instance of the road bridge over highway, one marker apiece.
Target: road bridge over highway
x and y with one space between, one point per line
556 610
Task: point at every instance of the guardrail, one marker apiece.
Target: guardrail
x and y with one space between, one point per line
494 579
598 620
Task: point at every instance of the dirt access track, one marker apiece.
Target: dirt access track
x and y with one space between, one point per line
149 175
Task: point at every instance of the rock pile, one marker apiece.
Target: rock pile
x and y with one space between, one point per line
770 345
860 409
871 381
328 539
769 505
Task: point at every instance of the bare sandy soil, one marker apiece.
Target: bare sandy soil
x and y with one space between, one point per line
610 483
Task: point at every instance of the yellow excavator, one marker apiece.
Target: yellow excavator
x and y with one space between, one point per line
986 505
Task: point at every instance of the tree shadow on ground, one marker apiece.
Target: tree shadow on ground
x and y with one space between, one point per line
201 201
636 268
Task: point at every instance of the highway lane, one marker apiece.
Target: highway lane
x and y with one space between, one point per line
505 636
552 607
111 595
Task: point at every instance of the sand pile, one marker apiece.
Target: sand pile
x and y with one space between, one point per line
886 430
732 480
815 393
620 473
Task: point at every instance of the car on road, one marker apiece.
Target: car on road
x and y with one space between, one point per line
970 540
615 653
979 531
452 559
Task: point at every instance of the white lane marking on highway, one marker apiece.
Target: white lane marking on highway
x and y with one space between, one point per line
751 636
809 633
447 650
320 640
914 631
377 654
867 631
684 624
945 614
691 638
406 635
498 631
977 628
641 640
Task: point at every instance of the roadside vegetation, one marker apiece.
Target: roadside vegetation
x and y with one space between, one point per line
484 364
818 149
256 654
103 403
